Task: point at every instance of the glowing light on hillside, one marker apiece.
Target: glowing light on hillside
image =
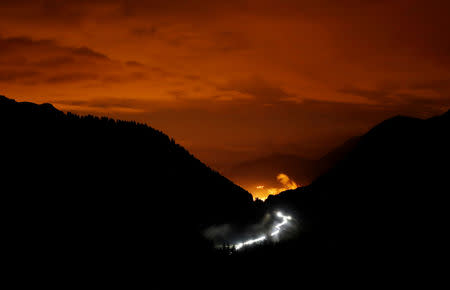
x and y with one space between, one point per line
280 225
277 228
250 242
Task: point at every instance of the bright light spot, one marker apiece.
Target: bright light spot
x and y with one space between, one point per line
275 231
260 187
279 225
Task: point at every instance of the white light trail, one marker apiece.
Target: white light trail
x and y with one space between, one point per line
250 242
275 231
279 225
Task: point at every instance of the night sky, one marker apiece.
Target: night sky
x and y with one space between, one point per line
232 80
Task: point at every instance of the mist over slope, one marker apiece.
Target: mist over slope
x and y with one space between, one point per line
87 186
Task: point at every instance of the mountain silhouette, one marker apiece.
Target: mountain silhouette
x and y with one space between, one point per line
385 201
95 193
82 188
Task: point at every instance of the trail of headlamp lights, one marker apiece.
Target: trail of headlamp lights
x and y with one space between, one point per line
276 230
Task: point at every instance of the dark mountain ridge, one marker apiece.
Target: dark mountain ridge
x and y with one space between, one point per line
95 185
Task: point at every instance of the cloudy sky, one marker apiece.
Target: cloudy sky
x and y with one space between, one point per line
232 80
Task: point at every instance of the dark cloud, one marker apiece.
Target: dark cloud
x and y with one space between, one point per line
19 44
45 61
228 41
72 77
424 102
14 44
53 62
415 103
373 95
46 51
125 77
134 63
260 90
14 76
145 31
50 12
438 85
105 103
85 51
178 94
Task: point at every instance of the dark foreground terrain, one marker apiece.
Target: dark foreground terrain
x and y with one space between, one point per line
88 189
96 192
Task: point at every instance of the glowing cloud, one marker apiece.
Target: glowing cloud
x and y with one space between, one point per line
286 184
286 181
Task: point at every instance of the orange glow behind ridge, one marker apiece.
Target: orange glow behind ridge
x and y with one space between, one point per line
263 193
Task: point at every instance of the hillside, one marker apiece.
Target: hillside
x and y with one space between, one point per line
95 185
387 200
